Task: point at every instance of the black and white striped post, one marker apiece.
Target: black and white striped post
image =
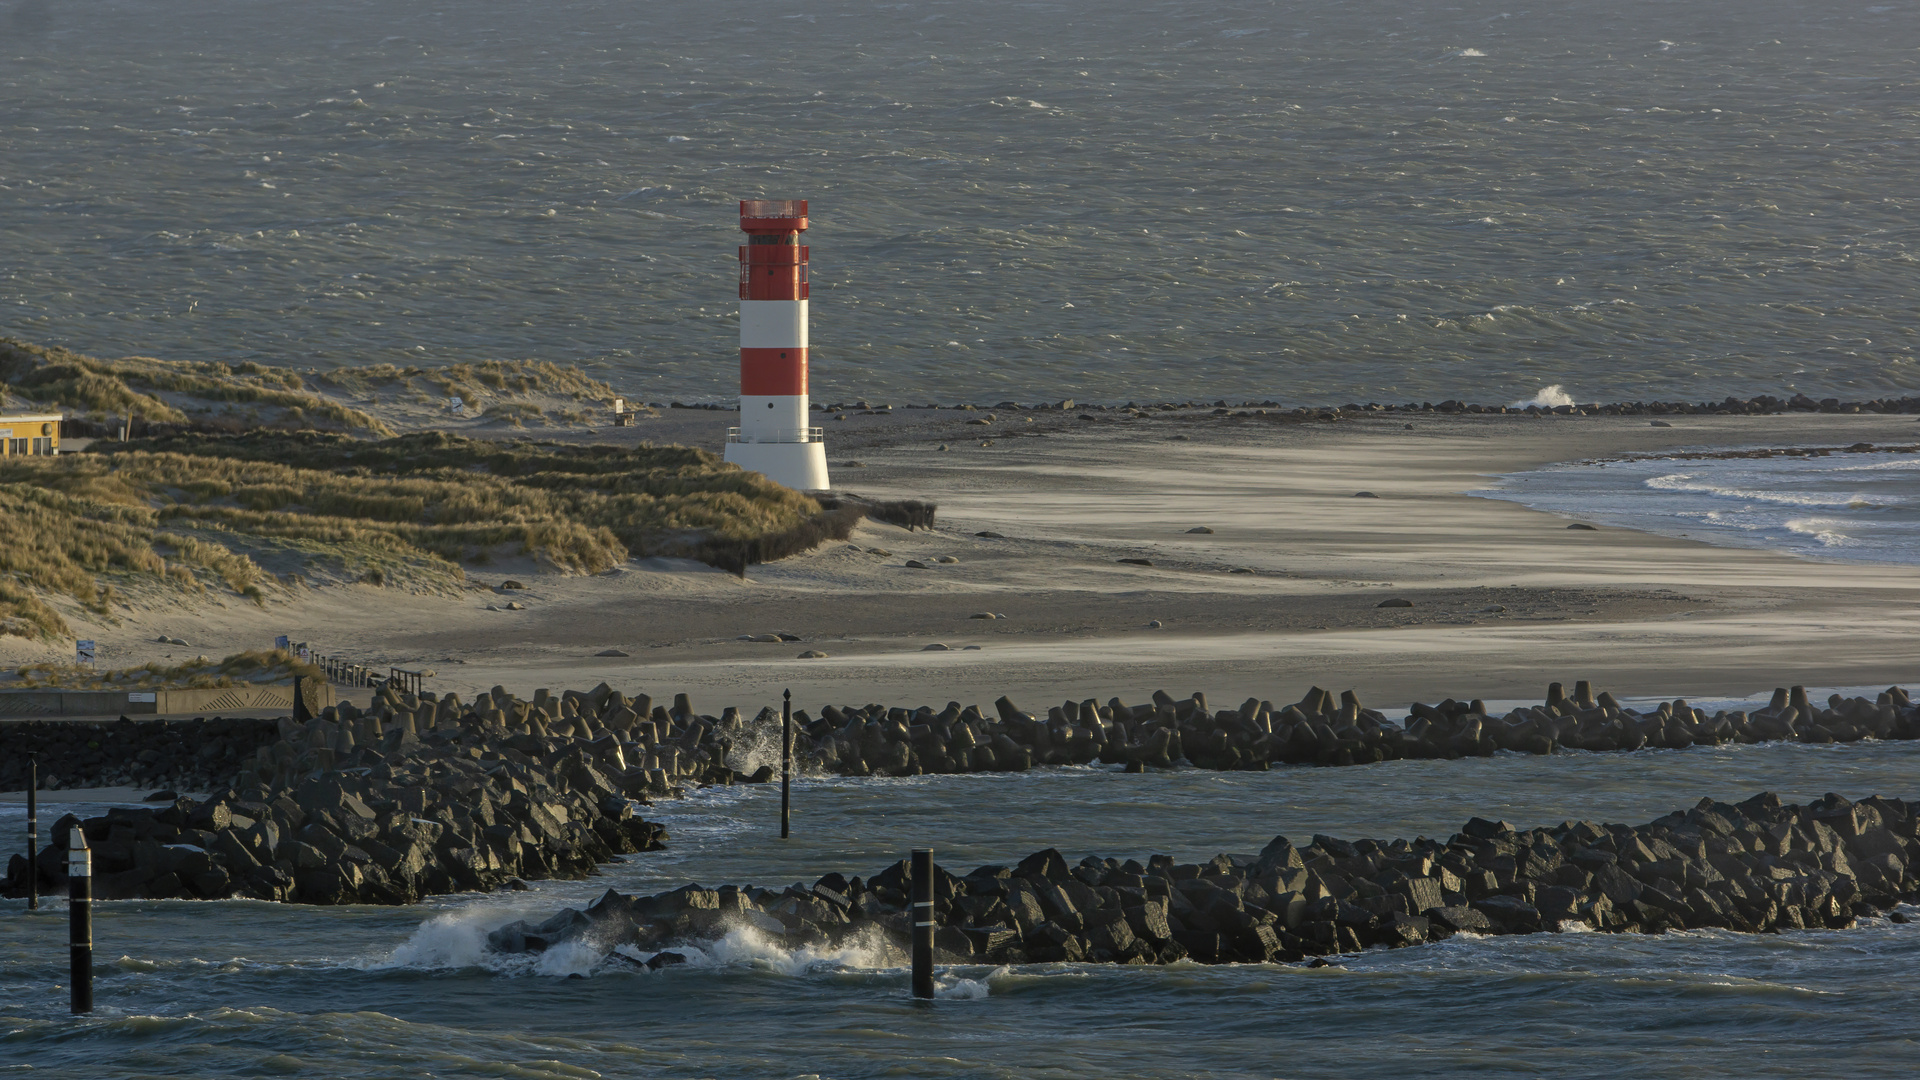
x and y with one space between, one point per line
33 832
786 761
80 935
923 923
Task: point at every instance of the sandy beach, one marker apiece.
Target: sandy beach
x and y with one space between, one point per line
1504 598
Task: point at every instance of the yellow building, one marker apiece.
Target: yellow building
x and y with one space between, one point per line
36 435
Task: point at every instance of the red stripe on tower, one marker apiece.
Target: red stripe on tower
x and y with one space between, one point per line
773 372
774 437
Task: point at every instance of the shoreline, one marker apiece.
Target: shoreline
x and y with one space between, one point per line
1070 499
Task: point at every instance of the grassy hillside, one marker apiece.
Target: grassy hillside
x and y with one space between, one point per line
216 396
168 391
240 514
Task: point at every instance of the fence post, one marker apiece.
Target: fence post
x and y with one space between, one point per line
786 761
80 931
923 923
33 832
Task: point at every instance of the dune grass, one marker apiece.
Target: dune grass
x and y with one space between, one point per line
213 395
192 511
170 391
256 667
473 382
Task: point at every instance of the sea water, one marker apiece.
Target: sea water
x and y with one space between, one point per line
241 988
1191 199
1853 507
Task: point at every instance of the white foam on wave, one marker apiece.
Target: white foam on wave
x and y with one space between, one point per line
1548 398
1857 509
569 958
1691 483
1826 530
747 947
1469 52
457 939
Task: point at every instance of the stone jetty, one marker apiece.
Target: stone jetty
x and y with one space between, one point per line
379 818
1757 866
423 794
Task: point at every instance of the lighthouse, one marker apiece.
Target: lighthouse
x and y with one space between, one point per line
774 438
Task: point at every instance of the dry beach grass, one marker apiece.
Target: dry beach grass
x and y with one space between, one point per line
197 512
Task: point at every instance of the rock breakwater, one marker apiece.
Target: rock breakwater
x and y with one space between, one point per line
425 794
1320 729
387 819
1755 866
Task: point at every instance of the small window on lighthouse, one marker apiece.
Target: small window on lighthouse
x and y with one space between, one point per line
769 404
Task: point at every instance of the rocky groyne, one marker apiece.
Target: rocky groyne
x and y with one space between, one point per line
426 794
383 819
1320 729
1757 866
665 747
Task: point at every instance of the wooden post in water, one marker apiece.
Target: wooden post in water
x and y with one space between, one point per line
33 832
923 923
80 935
786 761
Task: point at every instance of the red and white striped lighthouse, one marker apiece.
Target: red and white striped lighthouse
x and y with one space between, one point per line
774 437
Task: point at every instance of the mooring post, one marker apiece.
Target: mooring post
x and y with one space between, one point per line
33 832
923 923
786 761
80 937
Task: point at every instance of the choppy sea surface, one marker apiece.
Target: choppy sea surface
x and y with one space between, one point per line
1309 202
250 989
1860 507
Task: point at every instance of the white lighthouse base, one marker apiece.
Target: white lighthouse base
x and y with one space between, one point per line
800 466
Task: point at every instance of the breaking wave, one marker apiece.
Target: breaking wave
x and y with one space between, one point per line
1548 398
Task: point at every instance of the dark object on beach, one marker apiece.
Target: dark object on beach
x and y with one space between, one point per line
1758 866
511 584
1136 562
612 652
1396 602
1658 423
990 534
160 796
1200 529
916 564
1582 527
1367 494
